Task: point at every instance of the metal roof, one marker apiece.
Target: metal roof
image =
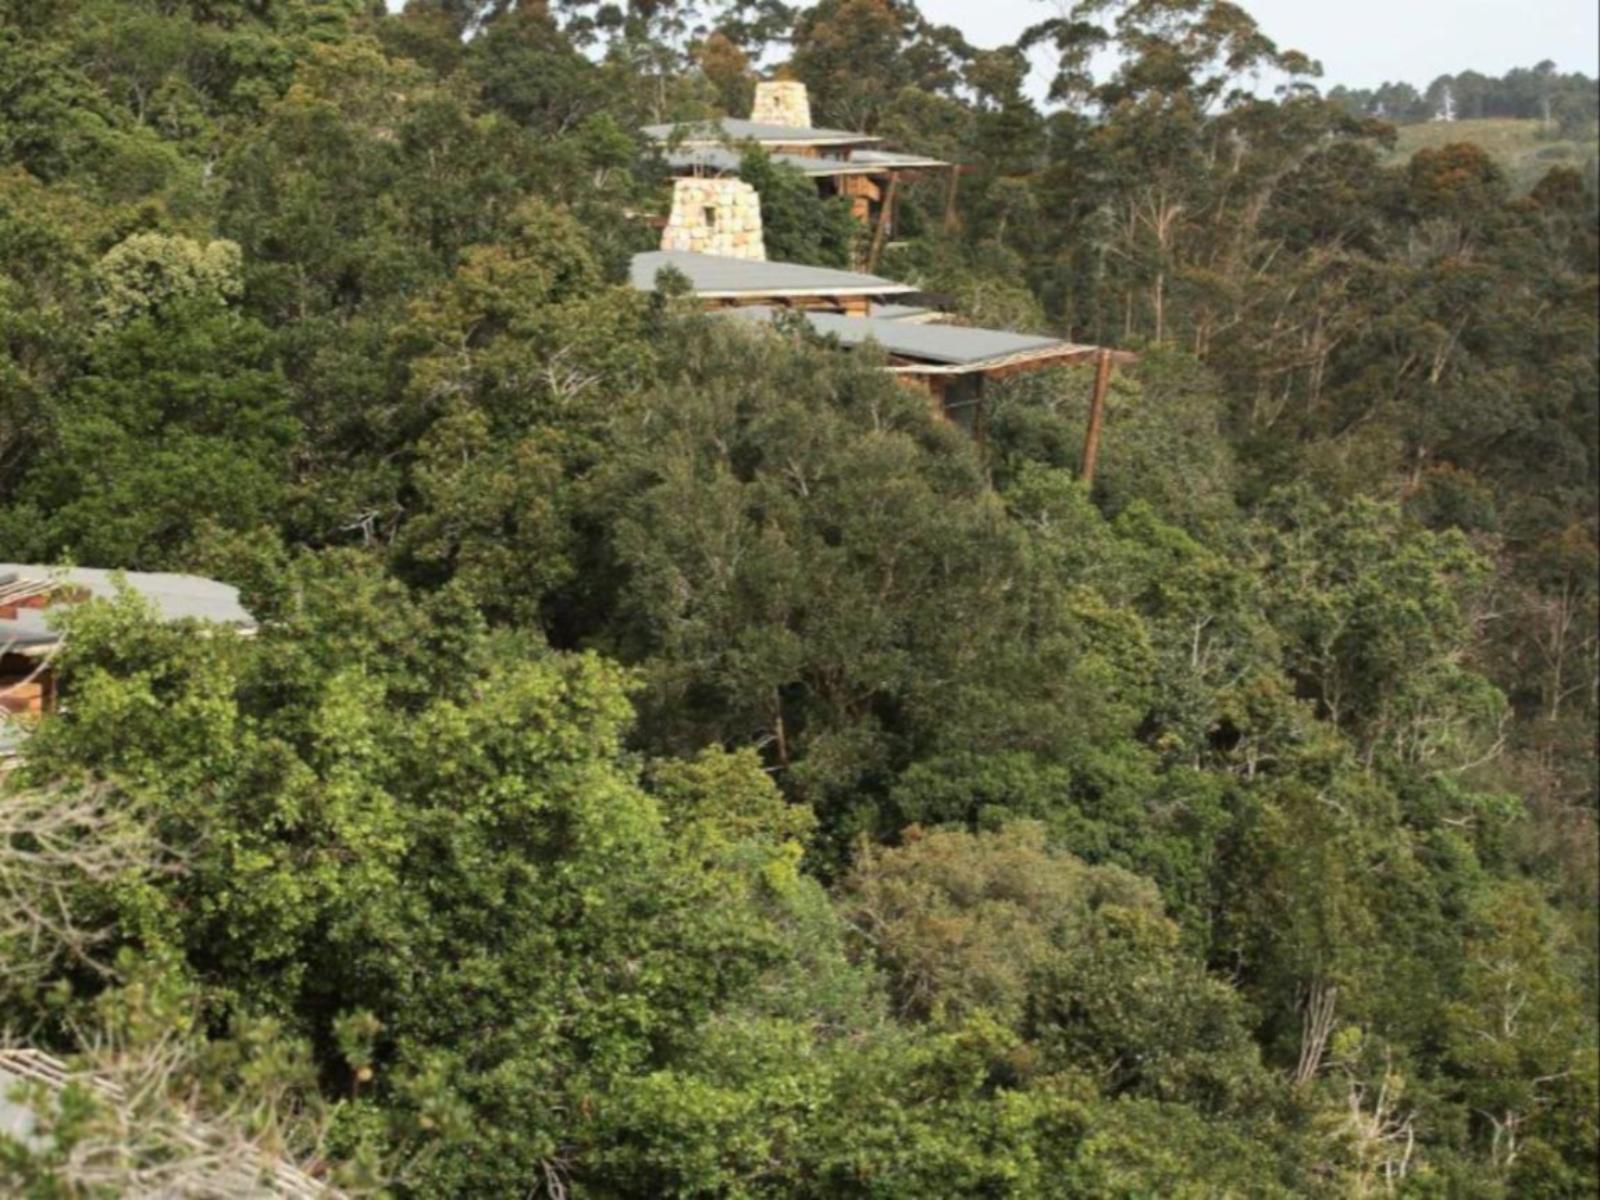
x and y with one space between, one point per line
957 345
937 349
734 129
944 344
174 597
889 160
721 158
716 277
918 313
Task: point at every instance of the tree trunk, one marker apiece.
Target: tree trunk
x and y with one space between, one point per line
1316 1026
881 232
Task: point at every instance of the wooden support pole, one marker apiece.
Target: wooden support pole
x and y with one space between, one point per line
1097 415
950 221
882 229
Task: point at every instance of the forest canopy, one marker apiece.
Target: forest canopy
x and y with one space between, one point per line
674 762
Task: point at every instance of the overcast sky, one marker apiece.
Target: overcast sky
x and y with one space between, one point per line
1365 42
1360 43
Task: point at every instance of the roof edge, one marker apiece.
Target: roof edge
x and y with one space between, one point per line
889 289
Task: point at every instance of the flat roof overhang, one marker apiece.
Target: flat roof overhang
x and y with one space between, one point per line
928 350
721 159
720 278
885 161
805 293
732 129
1067 355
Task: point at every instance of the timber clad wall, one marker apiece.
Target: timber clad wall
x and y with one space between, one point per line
863 192
715 216
26 688
21 696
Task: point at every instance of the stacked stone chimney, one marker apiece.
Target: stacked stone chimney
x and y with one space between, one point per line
782 102
715 216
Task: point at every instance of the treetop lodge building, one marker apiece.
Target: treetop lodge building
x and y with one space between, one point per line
840 161
33 596
713 238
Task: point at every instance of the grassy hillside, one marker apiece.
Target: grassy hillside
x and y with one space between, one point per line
1527 149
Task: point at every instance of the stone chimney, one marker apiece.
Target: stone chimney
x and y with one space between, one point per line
782 102
715 216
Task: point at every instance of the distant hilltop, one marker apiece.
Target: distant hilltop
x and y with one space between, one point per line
1570 102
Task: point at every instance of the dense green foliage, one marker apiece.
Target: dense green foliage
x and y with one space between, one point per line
797 227
674 763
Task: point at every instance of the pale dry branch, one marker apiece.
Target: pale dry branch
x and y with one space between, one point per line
1382 1137
1316 1027
147 1137
55 842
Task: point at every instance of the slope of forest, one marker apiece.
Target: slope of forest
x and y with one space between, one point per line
673 762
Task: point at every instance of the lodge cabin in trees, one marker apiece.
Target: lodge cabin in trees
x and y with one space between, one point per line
951 362
954 362
841 162
713 238
31 596
722 281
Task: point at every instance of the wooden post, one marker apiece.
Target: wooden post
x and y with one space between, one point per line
950 199
882 230
1097 414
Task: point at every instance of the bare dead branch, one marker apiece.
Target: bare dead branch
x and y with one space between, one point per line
147 1137
55 843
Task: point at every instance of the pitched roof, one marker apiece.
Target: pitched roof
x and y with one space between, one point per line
939 349
174 597
733 129
716 277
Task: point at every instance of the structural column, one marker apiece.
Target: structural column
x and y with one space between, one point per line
1097 412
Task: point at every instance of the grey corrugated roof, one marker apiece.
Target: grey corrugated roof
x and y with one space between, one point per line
721 158
715 277
734 129
175 598
958 347
904 312
890 158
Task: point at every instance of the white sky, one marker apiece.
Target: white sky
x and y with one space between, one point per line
1362 43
